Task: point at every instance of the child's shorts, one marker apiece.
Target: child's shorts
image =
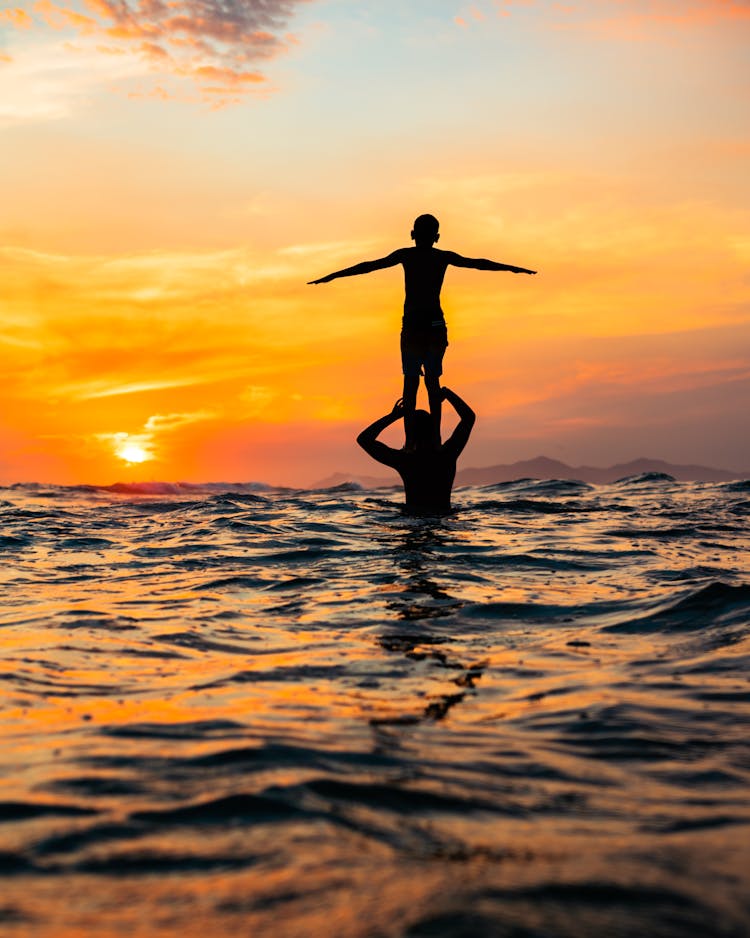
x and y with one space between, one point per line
423 348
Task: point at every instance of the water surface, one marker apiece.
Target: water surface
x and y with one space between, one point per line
229 710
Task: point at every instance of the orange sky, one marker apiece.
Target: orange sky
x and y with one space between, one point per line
162 214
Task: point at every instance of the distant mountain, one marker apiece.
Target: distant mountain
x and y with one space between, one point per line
544 468
367 482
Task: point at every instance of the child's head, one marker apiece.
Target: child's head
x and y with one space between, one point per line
425 230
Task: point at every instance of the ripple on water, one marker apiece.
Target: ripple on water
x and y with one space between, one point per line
716 604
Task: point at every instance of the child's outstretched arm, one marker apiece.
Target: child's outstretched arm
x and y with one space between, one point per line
479 263
365 267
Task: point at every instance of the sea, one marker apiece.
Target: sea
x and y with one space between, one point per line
234 710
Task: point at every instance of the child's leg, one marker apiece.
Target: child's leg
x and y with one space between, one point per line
411 386
435 395
433 369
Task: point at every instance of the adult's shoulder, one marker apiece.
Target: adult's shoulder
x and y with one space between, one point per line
451 449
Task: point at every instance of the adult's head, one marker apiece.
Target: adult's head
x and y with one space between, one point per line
422 430
425 230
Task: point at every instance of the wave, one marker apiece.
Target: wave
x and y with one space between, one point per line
341 487
532 506
714 604
15 541
223 810
22 810
40 489
190 729
541 486
645 478
740 485
182 488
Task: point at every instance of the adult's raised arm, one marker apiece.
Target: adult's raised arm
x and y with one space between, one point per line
368 438
460 436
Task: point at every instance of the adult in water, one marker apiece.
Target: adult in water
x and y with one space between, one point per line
427 468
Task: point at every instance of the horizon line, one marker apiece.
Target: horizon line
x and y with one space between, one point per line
353 476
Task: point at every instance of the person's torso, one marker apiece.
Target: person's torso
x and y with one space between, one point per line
428 479
424 271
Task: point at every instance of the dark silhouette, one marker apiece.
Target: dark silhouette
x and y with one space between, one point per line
424 336
427 468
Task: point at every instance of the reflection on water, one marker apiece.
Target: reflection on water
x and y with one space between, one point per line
415 552
294 713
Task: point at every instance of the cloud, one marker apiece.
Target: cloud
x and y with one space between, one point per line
255 399
215 46
46 81
640 19
623 19
92 390
117 334
144 445
328 248
158 423
142 279
16 17
474 12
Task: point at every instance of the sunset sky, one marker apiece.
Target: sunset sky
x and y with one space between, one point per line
172 172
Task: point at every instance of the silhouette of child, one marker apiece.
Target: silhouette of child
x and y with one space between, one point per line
424 336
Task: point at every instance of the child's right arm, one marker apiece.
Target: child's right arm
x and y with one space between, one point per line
365 267
479 263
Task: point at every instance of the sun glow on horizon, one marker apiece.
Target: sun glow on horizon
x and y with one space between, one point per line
132 452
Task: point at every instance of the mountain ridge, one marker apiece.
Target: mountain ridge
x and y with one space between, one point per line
543 467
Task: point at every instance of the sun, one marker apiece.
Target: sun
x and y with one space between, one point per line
133 453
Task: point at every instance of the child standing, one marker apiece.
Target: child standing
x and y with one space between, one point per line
424 336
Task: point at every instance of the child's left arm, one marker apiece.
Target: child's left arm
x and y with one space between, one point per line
365 267
479 263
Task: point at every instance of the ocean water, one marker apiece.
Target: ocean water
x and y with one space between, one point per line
230 710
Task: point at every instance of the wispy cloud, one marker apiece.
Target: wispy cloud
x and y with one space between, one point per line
159 423
624 19
218 47
119 333
93 390
144 445
327 248
46 81
16 17
143 278
645 19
